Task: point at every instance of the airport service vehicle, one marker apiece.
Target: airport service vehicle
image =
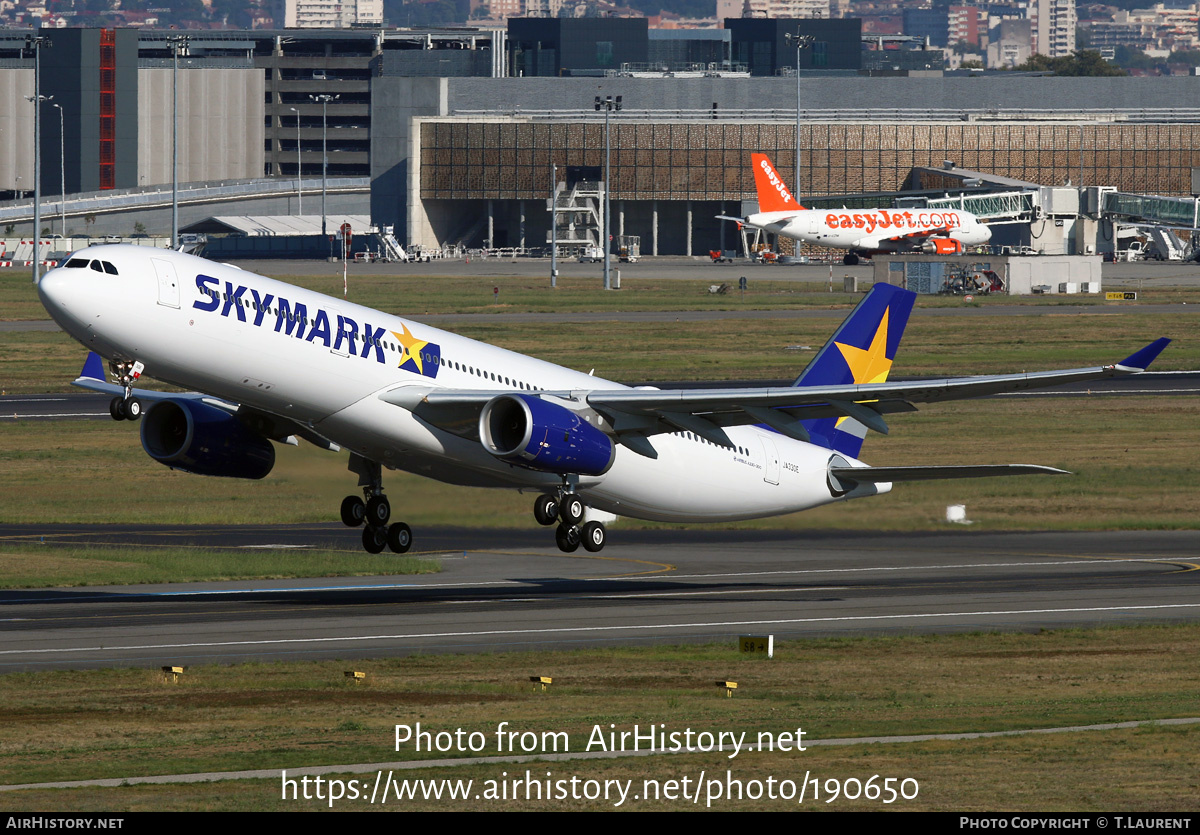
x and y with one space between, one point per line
864 232
270 362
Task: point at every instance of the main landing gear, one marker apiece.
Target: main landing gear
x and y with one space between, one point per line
127 407
566 508
374 511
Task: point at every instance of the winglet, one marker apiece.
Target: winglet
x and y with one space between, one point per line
93 367
1142 359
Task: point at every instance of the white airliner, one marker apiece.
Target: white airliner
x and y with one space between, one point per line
862 231
269 361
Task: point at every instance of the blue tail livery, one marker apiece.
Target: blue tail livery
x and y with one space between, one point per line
860 352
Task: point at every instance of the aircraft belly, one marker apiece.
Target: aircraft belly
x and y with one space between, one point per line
693 482
402 441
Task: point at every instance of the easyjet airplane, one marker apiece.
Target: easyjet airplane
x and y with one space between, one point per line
270 362
862 231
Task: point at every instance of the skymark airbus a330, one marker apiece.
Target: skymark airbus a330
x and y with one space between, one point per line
862 231
269 361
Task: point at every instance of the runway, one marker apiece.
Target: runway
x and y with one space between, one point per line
504 590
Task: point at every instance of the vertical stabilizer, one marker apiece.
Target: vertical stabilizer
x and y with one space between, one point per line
773 194
860 351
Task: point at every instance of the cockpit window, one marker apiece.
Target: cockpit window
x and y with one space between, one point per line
76 263
109 268
96 266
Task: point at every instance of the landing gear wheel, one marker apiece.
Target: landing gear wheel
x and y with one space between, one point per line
850 259
374 539
399 538
379 510
132 408
116 408
571 509
594 536
545 509
353 511
567 538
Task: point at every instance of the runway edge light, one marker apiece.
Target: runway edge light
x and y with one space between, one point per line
757 644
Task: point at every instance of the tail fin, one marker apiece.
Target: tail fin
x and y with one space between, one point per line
860 351
773 194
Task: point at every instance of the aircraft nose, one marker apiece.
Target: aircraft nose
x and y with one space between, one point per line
52 288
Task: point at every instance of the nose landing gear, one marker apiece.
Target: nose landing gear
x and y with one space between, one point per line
126 374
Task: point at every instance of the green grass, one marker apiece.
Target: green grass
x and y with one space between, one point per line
410 294
1134 459
121 723
754 349
39 565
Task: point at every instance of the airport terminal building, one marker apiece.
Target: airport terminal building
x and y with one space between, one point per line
469 160
458 150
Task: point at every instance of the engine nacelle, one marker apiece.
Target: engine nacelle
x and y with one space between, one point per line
527 430
942 246
197 438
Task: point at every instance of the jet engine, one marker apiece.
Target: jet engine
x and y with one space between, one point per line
197 438
542 435
942 246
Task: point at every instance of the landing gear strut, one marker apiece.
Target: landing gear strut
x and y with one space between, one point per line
127 407
374 510
567 508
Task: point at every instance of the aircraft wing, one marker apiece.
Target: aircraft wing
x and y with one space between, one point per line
877 241
92 378
269 425
634 414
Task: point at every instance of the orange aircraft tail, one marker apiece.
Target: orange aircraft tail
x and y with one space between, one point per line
773 195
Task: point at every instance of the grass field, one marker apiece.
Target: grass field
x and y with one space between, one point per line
122 723
408 294
741 349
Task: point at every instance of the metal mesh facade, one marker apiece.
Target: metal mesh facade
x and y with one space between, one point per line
507 159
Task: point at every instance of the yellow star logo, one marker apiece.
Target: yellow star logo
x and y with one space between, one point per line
411 347
871 365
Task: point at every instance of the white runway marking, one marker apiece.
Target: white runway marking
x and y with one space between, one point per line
569 629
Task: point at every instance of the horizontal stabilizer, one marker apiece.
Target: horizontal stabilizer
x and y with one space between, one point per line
875 475
93 367
1142 359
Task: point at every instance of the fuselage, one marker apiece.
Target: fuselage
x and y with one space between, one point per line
878 230
323 362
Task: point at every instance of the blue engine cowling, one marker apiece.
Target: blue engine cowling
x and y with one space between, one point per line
526 430
197 438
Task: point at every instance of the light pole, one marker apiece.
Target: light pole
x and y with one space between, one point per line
299 189
36 43
175 43
62 165
801 42
608 104
324 99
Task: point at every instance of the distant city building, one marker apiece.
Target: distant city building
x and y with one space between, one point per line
1053 27
1157 28
965 24
1010 43
787 8
330 14
762 45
